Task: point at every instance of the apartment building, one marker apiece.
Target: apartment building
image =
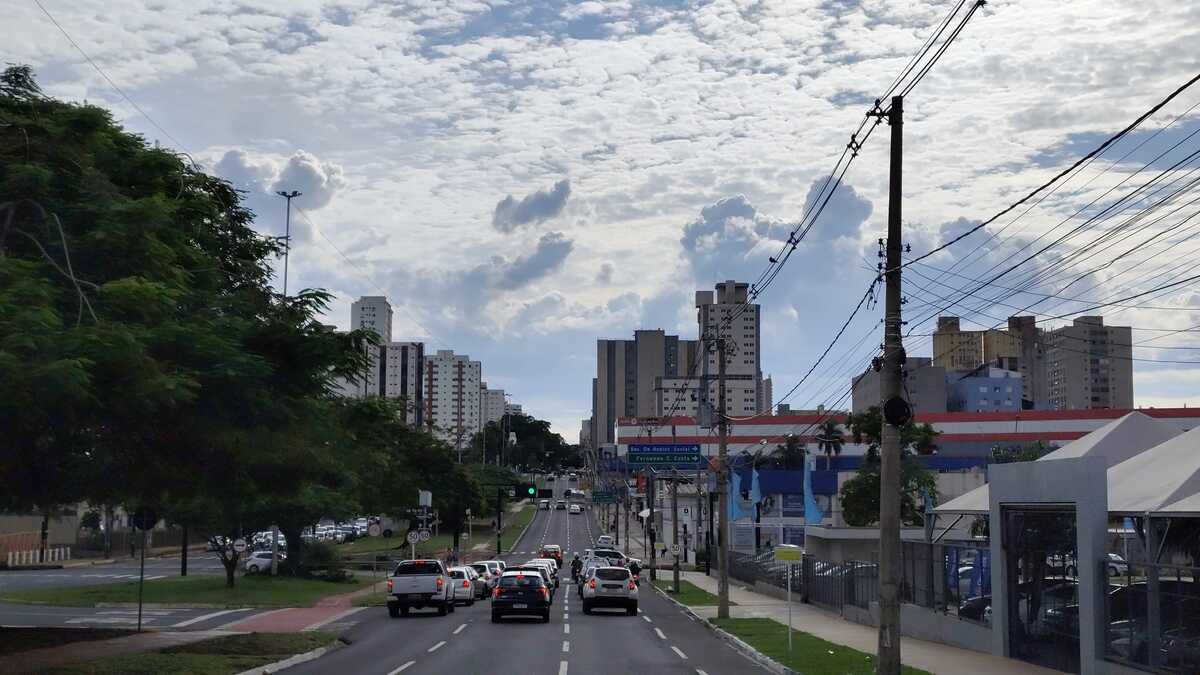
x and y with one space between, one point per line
491 404
628 374
452 393
1089 365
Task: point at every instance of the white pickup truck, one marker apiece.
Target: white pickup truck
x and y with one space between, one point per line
417 584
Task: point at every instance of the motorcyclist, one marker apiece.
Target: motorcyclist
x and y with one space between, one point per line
635 569
576 568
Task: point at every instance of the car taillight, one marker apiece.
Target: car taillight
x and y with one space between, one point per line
440 583
545 593
592 583
632 586
466 583
389 585
496 592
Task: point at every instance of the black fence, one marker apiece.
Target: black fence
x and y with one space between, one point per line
762 568
951 578
1152 616
836 584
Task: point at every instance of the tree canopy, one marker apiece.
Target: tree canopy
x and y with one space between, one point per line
860 495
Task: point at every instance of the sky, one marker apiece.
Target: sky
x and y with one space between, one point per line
522 178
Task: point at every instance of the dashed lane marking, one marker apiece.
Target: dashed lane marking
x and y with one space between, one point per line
676 650
459 629
566 646
700 672
566 629
660 634
408 665
562 668
436 647
647 619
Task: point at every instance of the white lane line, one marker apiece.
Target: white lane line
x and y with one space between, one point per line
660 633
160 576
335 617
459 629
647 619
436 647
566 629
676 650
566 646
401 668
206 617
562 668
700 672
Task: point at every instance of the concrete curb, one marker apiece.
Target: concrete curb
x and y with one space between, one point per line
292 660
738 644
89 563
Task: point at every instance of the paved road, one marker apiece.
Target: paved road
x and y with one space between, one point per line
661 640
123 570
12 615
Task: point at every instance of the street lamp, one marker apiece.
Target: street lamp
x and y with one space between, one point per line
287 233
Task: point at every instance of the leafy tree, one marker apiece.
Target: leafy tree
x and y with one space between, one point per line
1021 452
829 441
860 495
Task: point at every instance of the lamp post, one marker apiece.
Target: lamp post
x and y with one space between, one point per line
287 233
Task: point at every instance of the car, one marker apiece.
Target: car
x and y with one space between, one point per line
1116 566
550 478
612 556
551 568
541 570
611 587
521 593
560 505
259 561
482 587
462 587
416 584
485 575
604 540
552 551
544 504
572 477
575 508
588 571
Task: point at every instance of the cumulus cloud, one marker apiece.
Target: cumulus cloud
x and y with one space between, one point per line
534 208
260 176
730 240
552 250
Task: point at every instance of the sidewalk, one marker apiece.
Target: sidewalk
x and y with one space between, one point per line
39 660
931 656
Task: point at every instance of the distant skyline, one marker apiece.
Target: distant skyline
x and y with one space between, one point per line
522 178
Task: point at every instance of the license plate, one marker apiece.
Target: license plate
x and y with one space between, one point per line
612 585
415 596
520 605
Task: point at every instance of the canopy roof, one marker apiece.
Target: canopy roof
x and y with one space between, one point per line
1163 480
1119 441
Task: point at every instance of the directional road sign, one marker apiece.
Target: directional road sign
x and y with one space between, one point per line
665 455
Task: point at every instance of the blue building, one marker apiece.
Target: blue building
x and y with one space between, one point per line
985 389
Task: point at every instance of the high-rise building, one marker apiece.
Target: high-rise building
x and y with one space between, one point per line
491 404
394 369
768 399
725 313
957 349
628 374
513 409
1089 365
452 397
924 387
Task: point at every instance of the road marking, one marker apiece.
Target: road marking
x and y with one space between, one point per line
562 668
160 576
700 672
401 668
436 647
681 654
647 619
459 629
660 633
336 617
566 629
206 617
566 646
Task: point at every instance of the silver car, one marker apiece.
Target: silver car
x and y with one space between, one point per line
462 586
611 587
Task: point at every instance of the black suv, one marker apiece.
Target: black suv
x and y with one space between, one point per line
522 593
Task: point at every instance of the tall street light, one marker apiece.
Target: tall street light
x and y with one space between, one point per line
287 233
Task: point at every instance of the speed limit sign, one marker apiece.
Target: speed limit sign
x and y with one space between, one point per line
413 537
239 545
426 535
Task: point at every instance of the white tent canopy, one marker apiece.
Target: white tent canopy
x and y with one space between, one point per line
1118 441
1164 480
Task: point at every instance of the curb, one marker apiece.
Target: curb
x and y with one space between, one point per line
88 563
737 643
165 605
294 660
522 535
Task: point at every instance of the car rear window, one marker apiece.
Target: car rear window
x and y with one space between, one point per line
612 575
418 567
531 580
456 574
480 568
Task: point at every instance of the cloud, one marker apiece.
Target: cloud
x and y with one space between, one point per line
317 181
532 209
605 275
552 250
260 176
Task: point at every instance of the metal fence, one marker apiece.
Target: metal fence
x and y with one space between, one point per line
1152 616
951 578
762 568
836 584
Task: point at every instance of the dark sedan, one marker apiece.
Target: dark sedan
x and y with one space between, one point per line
522 593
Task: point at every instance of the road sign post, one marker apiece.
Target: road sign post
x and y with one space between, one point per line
789 554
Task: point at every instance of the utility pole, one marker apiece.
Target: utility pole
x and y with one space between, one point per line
287 233
890 389
675 525
722 489
652 538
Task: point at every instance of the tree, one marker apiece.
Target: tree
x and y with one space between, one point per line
829 441
791 454
860 495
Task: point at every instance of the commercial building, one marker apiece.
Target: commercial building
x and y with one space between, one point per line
491 404
985 389
452 392
1090 365
924 387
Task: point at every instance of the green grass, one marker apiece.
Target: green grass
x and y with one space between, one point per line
258 590
218 656
689 594
811 655
13 640
515 523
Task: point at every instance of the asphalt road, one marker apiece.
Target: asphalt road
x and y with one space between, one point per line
122 570
13 615
661 640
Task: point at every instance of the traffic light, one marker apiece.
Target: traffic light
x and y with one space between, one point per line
527 490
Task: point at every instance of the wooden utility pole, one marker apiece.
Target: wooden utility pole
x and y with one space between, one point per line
891 390
722 489
675 526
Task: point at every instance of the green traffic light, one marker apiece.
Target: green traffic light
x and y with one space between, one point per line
531 490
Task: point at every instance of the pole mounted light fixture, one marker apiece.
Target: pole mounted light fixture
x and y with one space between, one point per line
287 232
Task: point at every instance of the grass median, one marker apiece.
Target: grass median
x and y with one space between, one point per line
810 654
15 640
689 594
218 656
255 590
